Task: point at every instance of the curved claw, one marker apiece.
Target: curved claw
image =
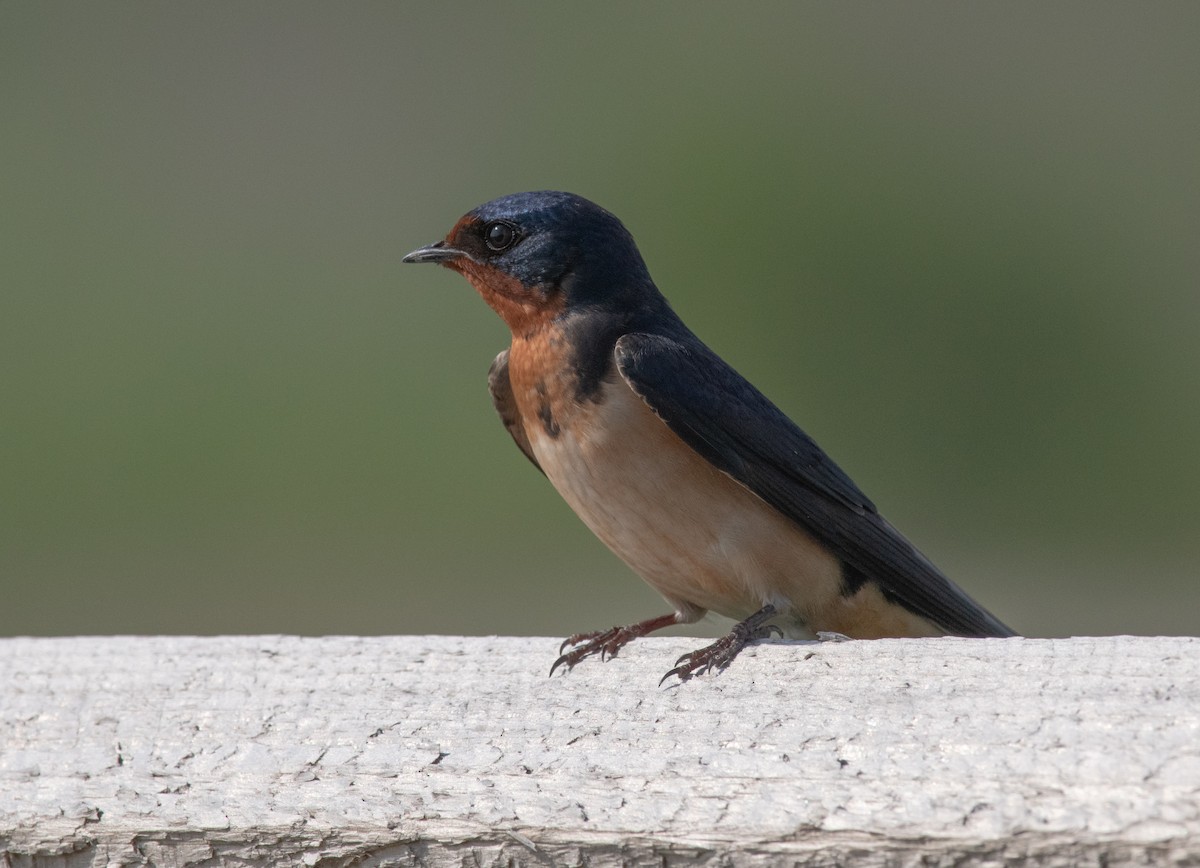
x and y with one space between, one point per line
682 672
559 662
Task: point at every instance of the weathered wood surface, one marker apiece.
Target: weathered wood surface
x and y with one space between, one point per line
270 750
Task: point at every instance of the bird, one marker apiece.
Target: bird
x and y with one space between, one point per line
686 471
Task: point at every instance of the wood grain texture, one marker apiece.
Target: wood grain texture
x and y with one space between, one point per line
269 750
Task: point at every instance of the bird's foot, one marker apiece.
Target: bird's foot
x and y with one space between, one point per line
608 642
721 653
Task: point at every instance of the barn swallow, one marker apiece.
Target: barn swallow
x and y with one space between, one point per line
685 470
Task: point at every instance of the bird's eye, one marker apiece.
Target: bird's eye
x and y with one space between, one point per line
499 236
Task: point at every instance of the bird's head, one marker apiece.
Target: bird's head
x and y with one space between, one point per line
536 256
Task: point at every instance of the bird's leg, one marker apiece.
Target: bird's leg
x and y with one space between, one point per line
607 643
720 654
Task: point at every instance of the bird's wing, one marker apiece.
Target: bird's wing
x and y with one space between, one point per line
732 425
502 399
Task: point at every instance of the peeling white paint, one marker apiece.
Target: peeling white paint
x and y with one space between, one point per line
450 750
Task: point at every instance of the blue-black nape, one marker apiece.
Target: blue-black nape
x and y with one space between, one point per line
563 235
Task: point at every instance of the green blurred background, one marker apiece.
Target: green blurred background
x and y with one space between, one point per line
957 243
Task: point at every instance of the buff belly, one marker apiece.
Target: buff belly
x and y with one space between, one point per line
699 538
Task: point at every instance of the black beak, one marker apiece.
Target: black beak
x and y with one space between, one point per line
435 252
